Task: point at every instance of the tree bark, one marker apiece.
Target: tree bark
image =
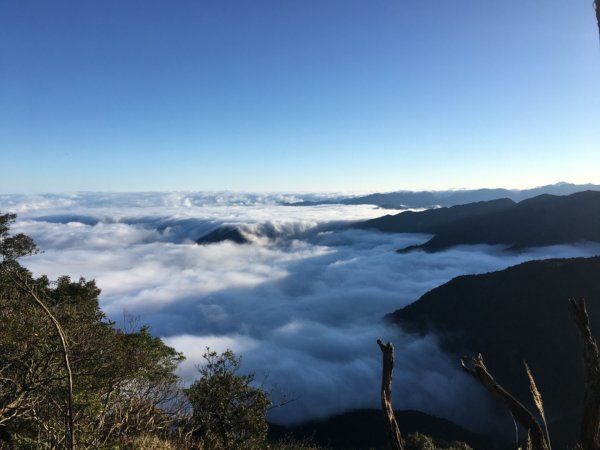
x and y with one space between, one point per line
477 369
589 437
393 432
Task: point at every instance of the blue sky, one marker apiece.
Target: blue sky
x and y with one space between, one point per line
304 95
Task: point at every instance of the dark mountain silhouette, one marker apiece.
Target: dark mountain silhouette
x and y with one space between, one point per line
539 221
430 199
434 221
224 233
364 429
517 314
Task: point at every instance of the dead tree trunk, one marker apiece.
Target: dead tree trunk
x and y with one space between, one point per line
597 8
477 369
589 437
393 432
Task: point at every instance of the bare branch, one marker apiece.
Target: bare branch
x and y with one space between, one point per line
393 431
476 368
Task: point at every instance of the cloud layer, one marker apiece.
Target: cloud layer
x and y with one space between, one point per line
303 304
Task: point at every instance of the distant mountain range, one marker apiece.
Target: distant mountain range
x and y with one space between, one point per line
539 221
513 315
545 219
430 199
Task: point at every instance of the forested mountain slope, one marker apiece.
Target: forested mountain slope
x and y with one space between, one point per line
517 314
539 221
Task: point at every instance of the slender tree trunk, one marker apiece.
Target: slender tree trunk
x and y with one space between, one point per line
28 289
589 437
479 371
393 432
65 354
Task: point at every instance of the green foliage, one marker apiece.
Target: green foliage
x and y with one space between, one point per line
125 391
228 412
124 382
13 247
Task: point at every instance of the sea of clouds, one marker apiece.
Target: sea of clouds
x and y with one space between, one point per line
303 303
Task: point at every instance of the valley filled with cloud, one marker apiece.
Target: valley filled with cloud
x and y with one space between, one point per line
302 302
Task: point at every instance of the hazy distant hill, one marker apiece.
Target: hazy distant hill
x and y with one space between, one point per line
429 199
363 429
513 315
539 221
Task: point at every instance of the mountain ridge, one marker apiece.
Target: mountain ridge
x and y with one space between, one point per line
539 221
519 313
431 199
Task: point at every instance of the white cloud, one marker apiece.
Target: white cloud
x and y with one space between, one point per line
303 305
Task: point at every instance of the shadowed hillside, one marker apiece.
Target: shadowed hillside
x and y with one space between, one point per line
540 221
364 429
513 315
434 221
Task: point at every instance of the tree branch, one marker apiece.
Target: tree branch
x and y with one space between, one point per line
476 368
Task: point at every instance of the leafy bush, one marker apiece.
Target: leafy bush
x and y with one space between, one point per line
124 383
228 412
